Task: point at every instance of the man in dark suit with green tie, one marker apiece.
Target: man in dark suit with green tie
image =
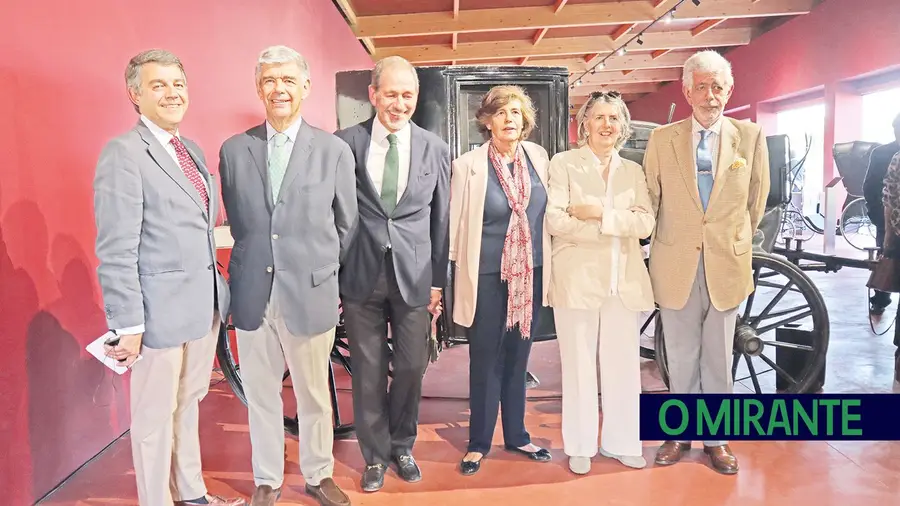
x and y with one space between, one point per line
395 268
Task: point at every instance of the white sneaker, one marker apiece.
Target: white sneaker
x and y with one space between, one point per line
580 465
628 460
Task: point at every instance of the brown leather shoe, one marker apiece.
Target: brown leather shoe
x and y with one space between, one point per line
671 452
214 500
265 495
721 459
328 493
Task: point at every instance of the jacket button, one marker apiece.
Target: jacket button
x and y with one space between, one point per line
698 248
210 267
275 236
269 268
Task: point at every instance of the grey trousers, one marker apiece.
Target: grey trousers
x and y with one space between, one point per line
699 341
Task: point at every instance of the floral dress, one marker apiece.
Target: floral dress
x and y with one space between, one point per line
891 198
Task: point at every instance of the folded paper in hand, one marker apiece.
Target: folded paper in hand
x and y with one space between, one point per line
96 349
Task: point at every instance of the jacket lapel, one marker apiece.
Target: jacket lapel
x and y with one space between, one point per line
479 174
540 166
299 157
258 146
168 165
684 153
729 139
207 176
360 143
416 162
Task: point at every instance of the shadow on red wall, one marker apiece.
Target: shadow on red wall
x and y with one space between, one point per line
71 398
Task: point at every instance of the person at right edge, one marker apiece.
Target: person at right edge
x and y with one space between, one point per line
873 188
396 268
708 177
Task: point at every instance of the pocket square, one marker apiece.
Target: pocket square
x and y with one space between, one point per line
738 163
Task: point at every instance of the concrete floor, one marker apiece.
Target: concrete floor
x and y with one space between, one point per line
772 473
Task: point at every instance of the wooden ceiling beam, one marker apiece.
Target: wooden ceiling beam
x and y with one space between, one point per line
583 91
353 21
630 61
706 26
563 46
593 14
636 76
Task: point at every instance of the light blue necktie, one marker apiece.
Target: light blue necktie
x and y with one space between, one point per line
704 168
278 160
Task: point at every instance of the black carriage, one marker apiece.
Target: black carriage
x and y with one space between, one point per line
781 337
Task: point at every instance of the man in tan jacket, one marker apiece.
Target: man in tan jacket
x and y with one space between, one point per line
708 178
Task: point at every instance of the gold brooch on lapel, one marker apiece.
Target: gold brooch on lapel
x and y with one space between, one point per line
738 163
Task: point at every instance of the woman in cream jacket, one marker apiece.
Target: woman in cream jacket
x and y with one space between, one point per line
598 210
500 250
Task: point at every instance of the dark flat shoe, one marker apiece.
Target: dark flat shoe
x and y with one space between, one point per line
541 455
468 468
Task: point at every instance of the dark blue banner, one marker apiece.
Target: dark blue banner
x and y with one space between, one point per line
773 417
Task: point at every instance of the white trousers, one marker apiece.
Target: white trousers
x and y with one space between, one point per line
262 355
611 336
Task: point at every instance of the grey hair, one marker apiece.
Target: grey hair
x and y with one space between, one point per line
706 61
582 117
273 55
389 62
158 56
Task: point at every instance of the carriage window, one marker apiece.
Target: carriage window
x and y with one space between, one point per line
805 126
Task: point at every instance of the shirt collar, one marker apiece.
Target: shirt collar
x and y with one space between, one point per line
380 132
715 128
291 131
161 135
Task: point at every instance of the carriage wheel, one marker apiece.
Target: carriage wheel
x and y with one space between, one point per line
340 355
781 337
856 227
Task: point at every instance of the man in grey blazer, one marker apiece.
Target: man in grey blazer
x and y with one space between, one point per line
155 207
396 267
290 198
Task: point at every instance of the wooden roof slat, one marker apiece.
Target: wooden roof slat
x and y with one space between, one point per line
593 14
564 46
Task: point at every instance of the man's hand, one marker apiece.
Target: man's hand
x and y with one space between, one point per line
434 306
585 212
128 349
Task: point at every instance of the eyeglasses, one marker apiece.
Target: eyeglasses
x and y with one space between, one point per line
610 94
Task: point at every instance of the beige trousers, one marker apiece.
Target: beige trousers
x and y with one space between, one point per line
608 336
262 354
167 386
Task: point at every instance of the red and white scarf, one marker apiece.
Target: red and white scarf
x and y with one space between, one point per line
516 263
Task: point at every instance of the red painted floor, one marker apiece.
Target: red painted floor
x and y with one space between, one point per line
803 473
817 473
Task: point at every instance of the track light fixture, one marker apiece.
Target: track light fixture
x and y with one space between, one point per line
696 2
667 17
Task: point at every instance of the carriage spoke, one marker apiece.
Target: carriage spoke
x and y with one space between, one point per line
763 330
734 364
768 284
778 370
783 312
789 346
752 373
758 374
772 303
753 293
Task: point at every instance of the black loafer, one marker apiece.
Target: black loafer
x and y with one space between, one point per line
541 455
408 469
373 478
468 468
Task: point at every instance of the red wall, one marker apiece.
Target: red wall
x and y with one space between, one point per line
838 40
61 72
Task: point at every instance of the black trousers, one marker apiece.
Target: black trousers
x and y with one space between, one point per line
386 421
498 358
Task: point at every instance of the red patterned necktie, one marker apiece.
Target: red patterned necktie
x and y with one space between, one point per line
190 170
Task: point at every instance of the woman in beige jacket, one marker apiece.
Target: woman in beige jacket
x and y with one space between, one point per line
598 209
500 250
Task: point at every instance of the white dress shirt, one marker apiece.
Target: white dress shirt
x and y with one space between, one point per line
378 148
712 140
